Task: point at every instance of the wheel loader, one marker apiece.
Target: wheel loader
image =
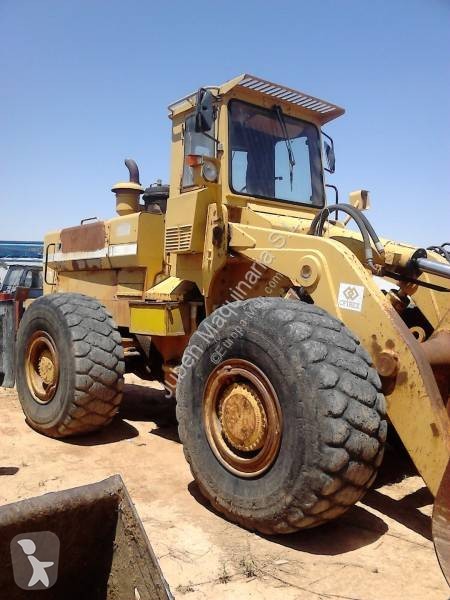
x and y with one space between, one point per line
291 337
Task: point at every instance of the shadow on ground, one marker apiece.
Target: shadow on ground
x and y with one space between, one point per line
359 527
115 432
142 403
397 466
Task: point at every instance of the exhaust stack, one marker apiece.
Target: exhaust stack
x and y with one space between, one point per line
128 192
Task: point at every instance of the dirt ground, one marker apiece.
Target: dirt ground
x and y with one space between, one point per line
381 549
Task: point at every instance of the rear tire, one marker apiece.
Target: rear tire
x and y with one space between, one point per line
70 365
332 414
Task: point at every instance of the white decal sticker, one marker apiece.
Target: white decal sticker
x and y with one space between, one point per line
351 296
123 229
122 250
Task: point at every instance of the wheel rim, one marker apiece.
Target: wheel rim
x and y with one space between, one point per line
42 367
242 418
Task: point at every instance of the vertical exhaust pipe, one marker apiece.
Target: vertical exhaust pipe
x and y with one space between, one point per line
128 192
133 170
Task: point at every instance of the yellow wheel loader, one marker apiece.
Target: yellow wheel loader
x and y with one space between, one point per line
290 339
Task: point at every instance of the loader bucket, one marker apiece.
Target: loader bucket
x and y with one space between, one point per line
104 552
441 524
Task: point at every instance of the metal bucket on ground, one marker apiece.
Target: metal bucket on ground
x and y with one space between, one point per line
103 551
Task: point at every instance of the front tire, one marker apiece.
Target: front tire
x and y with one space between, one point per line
332 414
70 365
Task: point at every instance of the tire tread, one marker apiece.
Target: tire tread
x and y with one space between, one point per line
99 364
351 411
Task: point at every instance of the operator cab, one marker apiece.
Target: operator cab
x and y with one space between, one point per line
255 139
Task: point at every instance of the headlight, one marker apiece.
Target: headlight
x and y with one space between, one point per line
209 171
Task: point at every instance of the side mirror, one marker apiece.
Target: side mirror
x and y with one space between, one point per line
360 199
328 146
204 111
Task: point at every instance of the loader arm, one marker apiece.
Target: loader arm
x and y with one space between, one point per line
326 268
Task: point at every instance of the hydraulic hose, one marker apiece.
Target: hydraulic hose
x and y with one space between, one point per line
361 221
355 213
442 250
376 240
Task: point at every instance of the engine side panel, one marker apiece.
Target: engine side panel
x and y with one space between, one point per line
115 261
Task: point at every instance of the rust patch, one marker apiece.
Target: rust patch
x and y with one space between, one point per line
387 363
84 265
84 238
217 235
376 348
402 378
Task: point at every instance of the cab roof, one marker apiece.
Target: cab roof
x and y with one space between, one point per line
320 109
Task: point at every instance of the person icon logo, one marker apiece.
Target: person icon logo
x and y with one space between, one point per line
35 558
38 566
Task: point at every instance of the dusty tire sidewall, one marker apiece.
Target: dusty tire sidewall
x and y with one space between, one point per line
258 498
46 317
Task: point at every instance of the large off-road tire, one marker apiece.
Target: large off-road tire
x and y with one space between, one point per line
254 360
70 365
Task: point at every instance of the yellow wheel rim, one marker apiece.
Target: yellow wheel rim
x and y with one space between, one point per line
42 367
242 418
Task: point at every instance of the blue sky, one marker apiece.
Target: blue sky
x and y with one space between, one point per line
86 83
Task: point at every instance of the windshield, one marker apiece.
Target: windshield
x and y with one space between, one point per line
274 155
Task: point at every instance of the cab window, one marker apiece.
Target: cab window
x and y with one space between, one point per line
274 155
